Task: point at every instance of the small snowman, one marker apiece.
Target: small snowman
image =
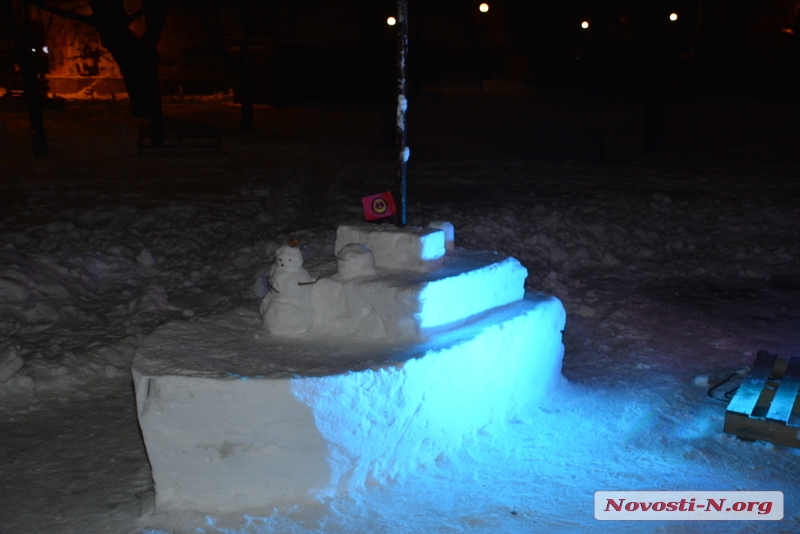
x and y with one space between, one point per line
286 308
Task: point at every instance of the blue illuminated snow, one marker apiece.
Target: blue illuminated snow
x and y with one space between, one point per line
380 424
473 291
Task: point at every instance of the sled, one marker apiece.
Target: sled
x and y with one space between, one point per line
765 405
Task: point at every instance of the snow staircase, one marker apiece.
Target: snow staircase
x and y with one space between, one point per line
765 406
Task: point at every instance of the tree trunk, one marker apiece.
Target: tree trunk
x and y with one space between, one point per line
30 79
153 83
126 52
137 57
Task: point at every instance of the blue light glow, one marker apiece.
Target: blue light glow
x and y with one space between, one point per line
380 424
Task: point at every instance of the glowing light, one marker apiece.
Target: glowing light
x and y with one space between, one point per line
45 50
585 24
33 50
391 21
673 17
484 7
788 30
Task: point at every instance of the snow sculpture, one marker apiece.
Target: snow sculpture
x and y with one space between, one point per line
354 260
390 283
339 306
409 248
409 348
286 309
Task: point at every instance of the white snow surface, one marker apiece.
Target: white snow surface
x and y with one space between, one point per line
675 270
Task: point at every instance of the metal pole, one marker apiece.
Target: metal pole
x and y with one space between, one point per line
402 105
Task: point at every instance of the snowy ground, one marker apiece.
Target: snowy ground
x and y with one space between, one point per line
675 270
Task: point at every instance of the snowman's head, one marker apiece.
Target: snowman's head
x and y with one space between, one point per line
289 258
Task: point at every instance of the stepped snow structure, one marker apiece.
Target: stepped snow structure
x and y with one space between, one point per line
386 357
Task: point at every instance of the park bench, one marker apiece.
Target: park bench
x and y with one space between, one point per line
178 136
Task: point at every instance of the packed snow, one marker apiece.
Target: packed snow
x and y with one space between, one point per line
235 418
675 269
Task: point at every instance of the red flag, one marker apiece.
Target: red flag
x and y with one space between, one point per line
378 206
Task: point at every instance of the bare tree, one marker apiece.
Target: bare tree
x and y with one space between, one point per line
135 55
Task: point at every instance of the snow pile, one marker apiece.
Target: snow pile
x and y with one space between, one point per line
10 363
80 287
54 303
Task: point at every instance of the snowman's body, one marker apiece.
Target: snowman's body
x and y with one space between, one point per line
286 308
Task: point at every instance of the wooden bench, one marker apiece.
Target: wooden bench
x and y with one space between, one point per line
16 87
765 405
181 136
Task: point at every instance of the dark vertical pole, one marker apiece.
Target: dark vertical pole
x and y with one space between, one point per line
402 104
245 74
655 26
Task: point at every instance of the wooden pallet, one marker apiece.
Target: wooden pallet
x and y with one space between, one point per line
765 406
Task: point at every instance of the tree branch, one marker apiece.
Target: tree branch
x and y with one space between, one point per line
155 12
67 14
135 15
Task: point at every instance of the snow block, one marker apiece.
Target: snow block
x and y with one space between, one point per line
236 419
402 304
407 248
449 233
